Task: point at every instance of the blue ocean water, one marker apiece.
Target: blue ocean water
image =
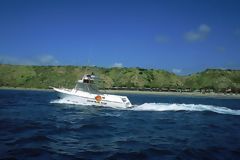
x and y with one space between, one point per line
34 125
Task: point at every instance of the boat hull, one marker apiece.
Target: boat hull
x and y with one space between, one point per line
83 98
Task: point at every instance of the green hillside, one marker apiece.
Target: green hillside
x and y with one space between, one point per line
120 78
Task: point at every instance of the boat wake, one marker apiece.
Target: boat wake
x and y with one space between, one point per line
166 107
184 107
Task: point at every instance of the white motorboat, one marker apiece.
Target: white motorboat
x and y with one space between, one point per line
86 93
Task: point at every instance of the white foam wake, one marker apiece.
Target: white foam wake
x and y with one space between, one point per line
67 101
184 107
165 107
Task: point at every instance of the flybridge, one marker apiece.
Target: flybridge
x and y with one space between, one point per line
87 79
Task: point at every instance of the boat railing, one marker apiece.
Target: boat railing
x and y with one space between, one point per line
65 89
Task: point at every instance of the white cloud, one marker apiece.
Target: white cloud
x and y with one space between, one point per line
14 60
8 60
40 60
221 49
162 39
204 28
176 70
47 60
199 34
193 36
117 64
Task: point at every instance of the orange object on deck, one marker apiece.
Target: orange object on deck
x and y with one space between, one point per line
98 98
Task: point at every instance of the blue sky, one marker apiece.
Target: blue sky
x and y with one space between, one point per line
181 36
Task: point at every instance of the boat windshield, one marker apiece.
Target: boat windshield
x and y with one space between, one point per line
87 87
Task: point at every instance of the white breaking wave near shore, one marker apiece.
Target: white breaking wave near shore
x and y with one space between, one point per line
166 107
184 107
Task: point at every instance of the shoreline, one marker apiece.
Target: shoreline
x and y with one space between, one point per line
27 89
180 94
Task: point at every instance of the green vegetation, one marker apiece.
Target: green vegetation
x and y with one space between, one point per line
120 78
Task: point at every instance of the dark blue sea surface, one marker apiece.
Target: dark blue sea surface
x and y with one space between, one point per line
34 125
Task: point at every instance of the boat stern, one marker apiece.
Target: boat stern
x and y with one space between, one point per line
126 101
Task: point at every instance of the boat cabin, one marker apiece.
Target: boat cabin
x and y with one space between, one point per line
86 84
88 78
